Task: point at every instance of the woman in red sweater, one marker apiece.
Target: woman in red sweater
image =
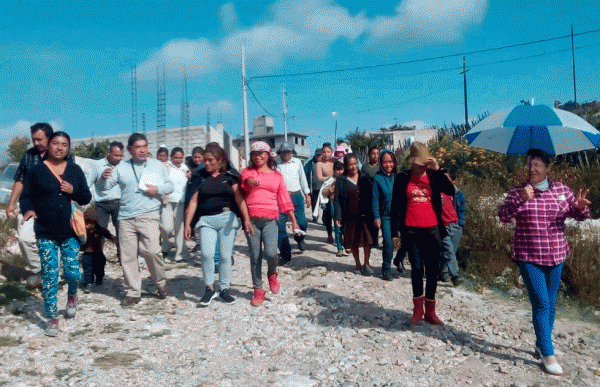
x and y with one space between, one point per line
266 197
416 214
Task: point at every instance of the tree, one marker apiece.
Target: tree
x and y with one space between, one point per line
17 147
360 142
94 151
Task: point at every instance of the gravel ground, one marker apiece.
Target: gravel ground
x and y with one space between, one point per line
327 327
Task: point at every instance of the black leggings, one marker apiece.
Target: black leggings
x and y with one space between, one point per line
424 248
327 219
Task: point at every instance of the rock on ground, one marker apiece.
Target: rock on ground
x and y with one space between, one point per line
327 327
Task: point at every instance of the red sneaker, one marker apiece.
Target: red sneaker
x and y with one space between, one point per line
274 284
259 297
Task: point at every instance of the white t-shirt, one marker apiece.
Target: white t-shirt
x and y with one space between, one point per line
179 179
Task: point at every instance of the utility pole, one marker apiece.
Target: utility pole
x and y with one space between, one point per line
573 56
133 99
245 112
464 73
285 118
143 122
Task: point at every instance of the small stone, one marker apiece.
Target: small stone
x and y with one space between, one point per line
466 351
506 272
515 292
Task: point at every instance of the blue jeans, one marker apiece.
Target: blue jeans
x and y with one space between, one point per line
388 246
339 243
542 284
212 231
450 245
283 240
69 253
265 234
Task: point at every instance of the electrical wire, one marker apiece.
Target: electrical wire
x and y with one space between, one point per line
258 102
424 59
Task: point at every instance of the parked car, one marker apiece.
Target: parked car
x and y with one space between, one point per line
7 179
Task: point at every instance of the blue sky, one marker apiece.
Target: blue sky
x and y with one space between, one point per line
68 62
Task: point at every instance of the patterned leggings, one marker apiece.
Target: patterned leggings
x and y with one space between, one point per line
69 252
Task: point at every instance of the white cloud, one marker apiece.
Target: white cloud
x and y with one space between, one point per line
427 21
308 28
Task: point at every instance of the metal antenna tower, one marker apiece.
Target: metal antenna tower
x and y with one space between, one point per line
185 117
143 122
133 99
161 110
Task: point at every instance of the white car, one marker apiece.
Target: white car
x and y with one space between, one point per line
7 179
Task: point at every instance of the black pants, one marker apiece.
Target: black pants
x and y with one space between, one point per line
93 266
424 249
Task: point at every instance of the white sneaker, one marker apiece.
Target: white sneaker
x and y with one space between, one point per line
554 368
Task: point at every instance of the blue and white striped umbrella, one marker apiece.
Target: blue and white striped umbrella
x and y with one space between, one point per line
514 131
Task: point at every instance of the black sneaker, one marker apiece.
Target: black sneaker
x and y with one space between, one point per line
302 245
444 277
456 281
387 277
226 297
208 296
87 288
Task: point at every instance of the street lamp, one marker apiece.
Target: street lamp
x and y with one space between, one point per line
334 114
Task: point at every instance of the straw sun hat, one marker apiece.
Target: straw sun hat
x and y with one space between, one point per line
418 154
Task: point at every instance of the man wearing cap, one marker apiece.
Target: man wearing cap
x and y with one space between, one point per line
295 180
311 178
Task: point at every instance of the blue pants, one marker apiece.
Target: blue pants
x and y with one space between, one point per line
93 266
283 240
69 253
339 243
388 246
217 231
542 284
450 243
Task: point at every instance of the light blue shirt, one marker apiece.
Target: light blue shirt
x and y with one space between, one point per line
93 179
127 175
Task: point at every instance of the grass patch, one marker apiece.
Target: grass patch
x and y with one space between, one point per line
13 291
31 372
101 311
116 359
62 372
7 341
112 328
96 348
81 332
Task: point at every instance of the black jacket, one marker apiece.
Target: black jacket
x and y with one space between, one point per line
340 201
439 183
41 193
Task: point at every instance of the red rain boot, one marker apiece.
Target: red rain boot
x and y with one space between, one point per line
430 315
417 310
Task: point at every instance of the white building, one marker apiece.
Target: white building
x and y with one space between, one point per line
402 137
263 130
186 138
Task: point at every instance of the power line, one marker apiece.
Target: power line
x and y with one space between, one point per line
258 102
424 59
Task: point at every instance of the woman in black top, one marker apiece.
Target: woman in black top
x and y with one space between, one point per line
212 211
48 191
351 204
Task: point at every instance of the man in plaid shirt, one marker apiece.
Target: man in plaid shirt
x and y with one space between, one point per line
540 208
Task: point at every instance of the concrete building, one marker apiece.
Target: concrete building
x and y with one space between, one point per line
263 130
186 138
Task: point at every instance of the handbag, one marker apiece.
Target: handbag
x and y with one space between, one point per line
77 221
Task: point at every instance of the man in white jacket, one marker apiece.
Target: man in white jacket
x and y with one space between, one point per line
295 180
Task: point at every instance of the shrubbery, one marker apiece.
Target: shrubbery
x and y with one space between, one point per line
486 247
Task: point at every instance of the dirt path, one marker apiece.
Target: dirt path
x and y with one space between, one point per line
327 327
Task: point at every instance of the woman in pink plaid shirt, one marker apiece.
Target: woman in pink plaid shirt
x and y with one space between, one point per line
540 207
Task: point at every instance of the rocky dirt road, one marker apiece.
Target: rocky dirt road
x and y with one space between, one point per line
327 327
